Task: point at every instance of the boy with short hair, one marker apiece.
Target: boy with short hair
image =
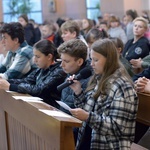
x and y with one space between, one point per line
19 59
70 30
73 54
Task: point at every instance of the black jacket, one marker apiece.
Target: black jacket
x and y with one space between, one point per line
29 34
41 83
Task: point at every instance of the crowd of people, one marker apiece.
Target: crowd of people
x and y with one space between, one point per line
38 58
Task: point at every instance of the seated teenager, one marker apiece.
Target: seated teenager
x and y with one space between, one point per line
19 58
43 81
71 30
95 34
108 107
73 54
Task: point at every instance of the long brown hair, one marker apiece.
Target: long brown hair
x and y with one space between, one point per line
106 48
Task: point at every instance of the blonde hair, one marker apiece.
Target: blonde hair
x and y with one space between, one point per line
70 26
143 20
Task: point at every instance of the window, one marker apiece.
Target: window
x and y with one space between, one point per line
93 9
10 8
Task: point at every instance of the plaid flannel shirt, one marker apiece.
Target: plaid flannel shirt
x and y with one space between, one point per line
112 116
16 65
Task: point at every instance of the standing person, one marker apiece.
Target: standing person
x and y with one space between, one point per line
109 105
18 61
138 47
28 29
43 81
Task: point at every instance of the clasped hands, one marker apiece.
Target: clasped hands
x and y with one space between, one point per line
142 85
136 63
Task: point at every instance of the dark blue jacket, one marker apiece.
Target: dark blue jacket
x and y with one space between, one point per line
139 49
144 73
29 34
68 94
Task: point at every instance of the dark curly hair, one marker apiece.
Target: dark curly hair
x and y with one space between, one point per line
14 29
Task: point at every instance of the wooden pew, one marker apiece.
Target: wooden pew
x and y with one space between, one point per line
143 115
24 127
